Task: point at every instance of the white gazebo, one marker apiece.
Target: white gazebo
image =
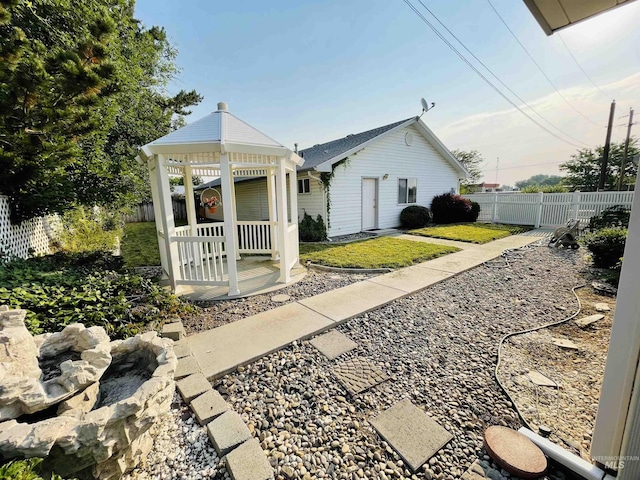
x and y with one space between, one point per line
206 254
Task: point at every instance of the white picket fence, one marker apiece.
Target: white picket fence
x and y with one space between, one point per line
30 237
546 209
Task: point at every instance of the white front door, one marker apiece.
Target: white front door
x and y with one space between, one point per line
369 203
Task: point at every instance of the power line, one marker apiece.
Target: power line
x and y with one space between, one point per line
493 74
539 67
582 69
525 166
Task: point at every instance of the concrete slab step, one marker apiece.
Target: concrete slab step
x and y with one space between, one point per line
248 462
227 432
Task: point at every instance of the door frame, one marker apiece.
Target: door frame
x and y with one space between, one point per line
377 201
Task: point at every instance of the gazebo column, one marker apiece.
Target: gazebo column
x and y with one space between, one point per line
235 214
226 183
192 218
271 196
152 163
293 193
168 222
281 207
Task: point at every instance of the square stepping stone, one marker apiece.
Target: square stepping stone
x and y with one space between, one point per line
227 432
181 350
192 386
602 307
186 366
411 432
174 331
358 374
564 343
586 321
208 406
249 462
333 344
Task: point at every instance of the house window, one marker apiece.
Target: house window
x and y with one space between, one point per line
407 190
304 186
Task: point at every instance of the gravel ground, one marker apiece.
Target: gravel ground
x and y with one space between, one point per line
571 409
220 312
439 346
181 450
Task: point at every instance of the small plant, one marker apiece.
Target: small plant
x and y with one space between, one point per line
211 202
616 216
28 469
415 216
606 246
311 230
85 230
452 208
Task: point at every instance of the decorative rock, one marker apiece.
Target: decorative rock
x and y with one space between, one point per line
586 321
280 298
514 452
174 331
186 366
82 403
248 462
333 344
602 307
227 432
192 386
25 387
208 406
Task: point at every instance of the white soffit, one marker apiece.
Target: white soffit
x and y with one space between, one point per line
553 15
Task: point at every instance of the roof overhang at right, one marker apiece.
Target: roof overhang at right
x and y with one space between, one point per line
554 15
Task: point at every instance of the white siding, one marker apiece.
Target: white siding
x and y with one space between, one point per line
312 202
388 155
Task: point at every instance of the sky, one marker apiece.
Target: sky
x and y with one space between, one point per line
308 72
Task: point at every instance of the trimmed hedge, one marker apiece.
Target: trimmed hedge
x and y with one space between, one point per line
415 216
452 208
606 246
311 230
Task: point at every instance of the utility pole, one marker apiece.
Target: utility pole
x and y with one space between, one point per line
607 147
623 164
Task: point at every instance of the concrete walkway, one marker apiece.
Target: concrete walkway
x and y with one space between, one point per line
223 349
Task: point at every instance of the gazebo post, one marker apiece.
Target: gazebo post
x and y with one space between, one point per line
271 194
235 213
226 184
281 207
168 223
293 189
189 201
152 164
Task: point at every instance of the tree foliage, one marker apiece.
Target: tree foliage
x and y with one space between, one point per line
540 180
471 160
82 87
583 170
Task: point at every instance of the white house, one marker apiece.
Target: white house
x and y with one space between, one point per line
362 181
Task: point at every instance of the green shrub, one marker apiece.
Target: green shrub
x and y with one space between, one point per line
616 216
475 212
311 230
85 229
452 208
91 288
415 216
606 246
24 470
544 189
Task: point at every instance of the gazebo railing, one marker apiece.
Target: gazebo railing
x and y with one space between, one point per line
254 237
200 259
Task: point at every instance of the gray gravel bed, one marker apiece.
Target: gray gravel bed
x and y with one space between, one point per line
220 312
181 450
439 347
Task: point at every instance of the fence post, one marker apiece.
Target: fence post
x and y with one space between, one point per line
539 215
575 203
494 208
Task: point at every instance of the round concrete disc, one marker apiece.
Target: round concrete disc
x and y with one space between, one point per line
281 298
514 452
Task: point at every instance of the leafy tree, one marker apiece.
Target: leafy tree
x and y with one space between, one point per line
539 180
583 170
82 86
471 160
195 180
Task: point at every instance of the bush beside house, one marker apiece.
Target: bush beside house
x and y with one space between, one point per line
452 208
415 216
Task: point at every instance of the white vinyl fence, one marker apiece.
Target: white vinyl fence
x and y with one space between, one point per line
30 237
545 209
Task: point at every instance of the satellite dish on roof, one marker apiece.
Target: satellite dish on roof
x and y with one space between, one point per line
425 106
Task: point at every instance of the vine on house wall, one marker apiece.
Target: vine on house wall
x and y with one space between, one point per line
327 178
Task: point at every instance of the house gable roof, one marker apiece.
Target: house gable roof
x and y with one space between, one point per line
322 157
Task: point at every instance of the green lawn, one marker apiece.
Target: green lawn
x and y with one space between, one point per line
140 244
470 232
381 252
